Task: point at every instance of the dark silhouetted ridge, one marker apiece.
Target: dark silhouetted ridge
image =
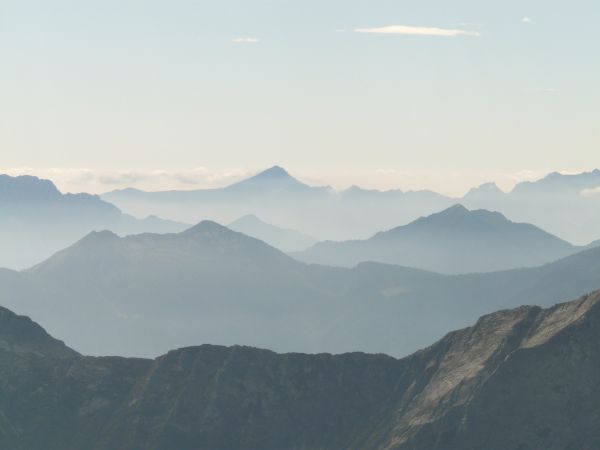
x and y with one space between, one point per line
20 335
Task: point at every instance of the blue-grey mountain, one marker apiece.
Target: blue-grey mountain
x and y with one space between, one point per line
277 197
37 220
453 241
281 238
142 295
565 205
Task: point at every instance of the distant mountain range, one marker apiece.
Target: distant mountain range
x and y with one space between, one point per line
277 197
518 379
141 295
280 238
37 220
565 205
453 241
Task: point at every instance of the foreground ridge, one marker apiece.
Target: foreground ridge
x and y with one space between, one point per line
517 379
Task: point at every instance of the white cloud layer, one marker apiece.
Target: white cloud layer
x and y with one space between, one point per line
418 31
526 19
245 40
589 193
99 181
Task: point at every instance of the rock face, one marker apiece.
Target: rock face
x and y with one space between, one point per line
526 378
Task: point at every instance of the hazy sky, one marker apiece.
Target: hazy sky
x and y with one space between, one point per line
383 93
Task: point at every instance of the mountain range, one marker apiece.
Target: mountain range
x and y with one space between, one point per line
142 295
565 205
518 379
453 241
37 220
277 197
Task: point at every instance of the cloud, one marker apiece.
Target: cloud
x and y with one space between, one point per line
418 31
98 181
589 193
245 40
526 20
548 90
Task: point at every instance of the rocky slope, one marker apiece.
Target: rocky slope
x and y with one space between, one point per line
518 379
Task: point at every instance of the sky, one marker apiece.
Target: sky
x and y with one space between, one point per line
385 94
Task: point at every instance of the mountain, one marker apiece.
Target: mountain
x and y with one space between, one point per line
143 295
22 336
559 183
564 204
277 197
36 220
521 378
280 238
273 179
455 240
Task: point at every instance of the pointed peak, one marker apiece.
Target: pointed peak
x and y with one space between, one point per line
98 237
455 209
273 172
275 177
207 227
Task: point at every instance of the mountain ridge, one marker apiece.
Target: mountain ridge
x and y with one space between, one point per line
506 382
455 240
140 295
37 220
283 239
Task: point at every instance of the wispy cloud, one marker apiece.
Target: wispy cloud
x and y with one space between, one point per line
98 181
589 193
526 20
245 40
418 31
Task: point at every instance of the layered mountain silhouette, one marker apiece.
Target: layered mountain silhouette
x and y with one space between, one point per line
564 205
36 220
455 240
273 179
142 295
280 238
277 197
518 379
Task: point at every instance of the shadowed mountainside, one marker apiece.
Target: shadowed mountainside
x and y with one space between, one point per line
522 378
